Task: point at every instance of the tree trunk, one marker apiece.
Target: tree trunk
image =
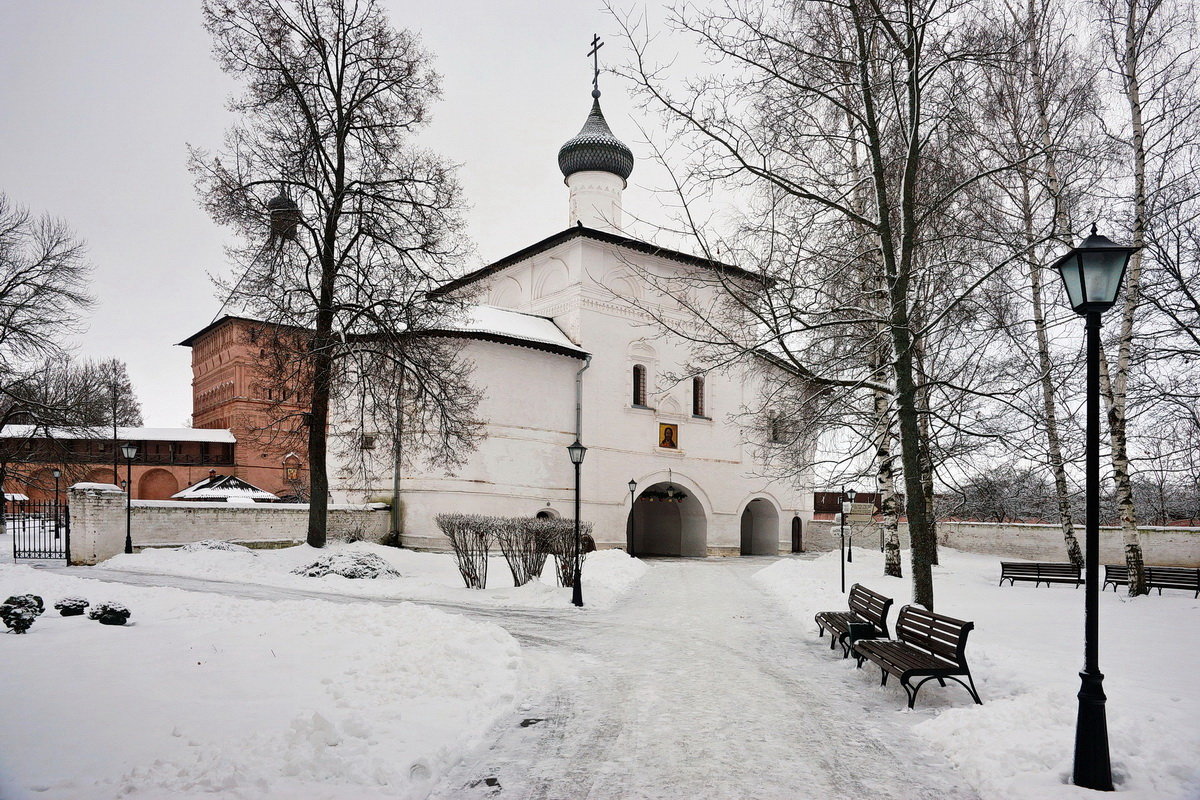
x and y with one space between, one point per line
1049 411
1119 382
885 480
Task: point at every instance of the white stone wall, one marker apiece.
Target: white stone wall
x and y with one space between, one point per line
98 522
1162 546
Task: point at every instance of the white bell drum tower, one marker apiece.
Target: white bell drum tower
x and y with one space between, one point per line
595 165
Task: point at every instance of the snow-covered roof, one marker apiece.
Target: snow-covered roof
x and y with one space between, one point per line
217 435
514 326
223 487
15 496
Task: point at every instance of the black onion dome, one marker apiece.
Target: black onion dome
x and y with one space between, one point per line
595 148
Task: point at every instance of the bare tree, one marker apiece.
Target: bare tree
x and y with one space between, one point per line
365 223
1152 54
43 277
843 119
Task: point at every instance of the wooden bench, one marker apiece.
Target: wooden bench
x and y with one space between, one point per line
1186 578
1116 574
866 608
928 646
1040 572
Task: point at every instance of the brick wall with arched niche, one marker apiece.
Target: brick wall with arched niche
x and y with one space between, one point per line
157 484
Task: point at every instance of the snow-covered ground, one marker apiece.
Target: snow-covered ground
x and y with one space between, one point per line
207 694
1025 654
690 682
424 576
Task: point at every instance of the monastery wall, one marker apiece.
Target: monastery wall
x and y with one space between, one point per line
1162 546
98 522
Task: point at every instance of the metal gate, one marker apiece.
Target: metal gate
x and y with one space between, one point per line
40 530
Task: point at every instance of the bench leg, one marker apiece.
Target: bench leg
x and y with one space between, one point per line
885 674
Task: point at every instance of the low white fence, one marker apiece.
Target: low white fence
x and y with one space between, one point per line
98 522
1166 546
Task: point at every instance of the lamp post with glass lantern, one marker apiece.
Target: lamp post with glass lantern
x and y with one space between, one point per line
577 451
632 519
1092 274
57 473
130 453
850 495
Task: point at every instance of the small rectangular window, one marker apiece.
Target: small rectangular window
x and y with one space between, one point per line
368 441
639 385
698 396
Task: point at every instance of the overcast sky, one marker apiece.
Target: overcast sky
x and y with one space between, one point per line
100 100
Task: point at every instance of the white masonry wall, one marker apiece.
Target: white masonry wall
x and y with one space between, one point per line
1161 546
98 522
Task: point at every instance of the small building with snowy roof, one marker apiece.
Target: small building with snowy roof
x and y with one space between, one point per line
227 488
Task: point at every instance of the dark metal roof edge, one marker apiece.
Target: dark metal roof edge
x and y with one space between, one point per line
501 338
599 235
213 326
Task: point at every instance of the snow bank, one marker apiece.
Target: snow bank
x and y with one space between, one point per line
1025 654
203 695
607 574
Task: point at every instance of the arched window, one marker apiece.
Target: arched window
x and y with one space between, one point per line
698 396
639 385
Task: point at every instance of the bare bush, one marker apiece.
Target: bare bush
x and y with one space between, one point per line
524 541
471 537
561 543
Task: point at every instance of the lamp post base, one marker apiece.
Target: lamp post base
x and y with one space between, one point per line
577 589
1092 767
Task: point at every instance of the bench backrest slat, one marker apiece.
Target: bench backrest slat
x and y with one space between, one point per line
871 606
937 633
1173 577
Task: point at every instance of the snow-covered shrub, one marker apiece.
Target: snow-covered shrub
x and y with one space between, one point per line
109 613
471 537
348 565
71 606
19 611
214 544
524 541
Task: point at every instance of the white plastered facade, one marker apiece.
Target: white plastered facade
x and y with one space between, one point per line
592 289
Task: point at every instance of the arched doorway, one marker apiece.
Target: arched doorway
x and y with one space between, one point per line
668 520
797 535
157 484
760 529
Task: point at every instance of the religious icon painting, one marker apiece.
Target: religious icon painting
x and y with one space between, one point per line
668 436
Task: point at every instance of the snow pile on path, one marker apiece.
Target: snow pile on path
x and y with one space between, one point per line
1025 654
209 696
607 574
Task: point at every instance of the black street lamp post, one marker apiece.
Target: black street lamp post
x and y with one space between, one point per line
632 520
1092 274
850 495
842 538
577 451
57 474
130 453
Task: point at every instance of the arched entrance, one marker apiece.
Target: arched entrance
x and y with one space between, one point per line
668 520
760 528
797 535
157 484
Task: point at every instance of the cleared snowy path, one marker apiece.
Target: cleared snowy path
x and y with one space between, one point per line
696 685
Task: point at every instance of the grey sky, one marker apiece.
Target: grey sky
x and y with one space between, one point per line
100 100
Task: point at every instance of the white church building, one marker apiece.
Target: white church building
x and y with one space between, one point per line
565 345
